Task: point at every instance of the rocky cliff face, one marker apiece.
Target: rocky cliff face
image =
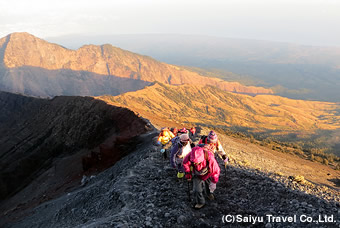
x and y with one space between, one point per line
28 61
34 132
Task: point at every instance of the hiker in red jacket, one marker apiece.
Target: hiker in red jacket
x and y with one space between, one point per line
205 173
211 141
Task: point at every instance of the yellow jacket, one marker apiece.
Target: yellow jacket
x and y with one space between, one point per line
165 136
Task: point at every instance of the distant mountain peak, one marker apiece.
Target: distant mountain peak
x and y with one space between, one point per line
25 50
22 35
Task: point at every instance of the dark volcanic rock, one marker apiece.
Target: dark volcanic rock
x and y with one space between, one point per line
142 191
35 131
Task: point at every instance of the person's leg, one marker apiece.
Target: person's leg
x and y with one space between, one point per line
180 169
167 149
198 187
207 190
164 147
206 186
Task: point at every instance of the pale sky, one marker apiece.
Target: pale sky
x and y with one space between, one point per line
312 22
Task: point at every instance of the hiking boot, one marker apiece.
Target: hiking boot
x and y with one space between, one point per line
199 206
211 196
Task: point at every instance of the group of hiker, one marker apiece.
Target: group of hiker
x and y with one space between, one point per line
197 163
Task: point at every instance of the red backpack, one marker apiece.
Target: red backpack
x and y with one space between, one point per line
205 170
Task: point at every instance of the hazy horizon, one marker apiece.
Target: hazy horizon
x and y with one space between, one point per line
313 22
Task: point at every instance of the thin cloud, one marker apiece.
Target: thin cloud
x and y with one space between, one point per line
281 20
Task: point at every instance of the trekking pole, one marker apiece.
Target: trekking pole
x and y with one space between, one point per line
225 170
225 166
189 197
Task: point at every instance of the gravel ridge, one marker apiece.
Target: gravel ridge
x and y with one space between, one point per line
142 190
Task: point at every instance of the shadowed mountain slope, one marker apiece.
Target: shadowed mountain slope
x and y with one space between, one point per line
23 55
34 132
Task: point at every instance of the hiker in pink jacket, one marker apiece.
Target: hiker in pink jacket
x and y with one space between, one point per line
205 173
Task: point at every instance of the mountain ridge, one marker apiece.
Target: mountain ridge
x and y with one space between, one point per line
200 97
290 70
266 116
25 50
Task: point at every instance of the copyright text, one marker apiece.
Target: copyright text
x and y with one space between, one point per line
252 219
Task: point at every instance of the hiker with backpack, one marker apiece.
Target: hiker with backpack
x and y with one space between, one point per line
178 152
192 133
200 166
180 132
163 140
174 130
183 131
212 143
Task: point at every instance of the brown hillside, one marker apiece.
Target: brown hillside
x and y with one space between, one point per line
307 127
22 49
212 106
